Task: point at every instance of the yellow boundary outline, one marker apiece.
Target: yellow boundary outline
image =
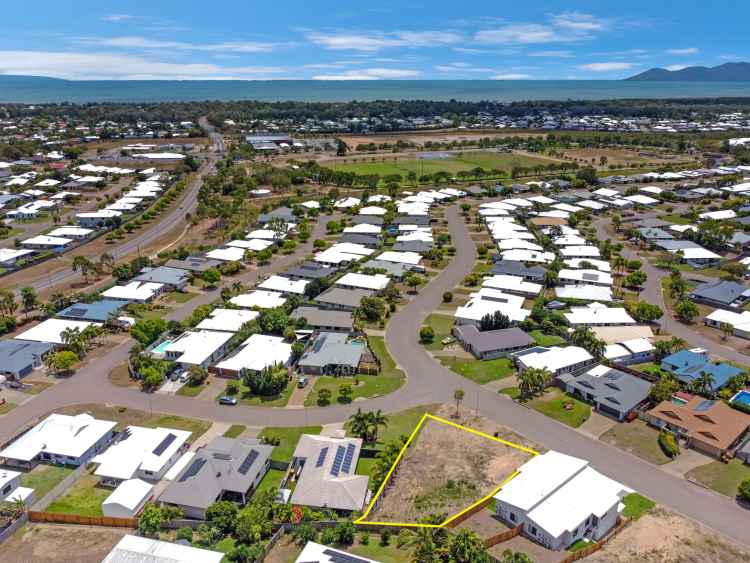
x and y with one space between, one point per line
363 519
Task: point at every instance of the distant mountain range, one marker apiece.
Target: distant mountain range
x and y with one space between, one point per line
728 72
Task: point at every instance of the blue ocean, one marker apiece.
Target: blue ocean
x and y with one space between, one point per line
44 90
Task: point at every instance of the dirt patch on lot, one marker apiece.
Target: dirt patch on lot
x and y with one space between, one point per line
446 469
663 536
42 543
444 136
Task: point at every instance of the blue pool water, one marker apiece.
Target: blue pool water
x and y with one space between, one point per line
743 398
161 348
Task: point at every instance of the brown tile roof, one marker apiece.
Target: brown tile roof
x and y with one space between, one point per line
711 422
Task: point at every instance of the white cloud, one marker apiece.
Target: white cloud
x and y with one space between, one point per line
461 68
370 74
117 18
606 67
552 54
115 66
676 67
686 51
511 76
579 22
370 42
137 42
562 28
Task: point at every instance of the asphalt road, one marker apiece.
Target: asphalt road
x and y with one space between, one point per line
152 232
427 382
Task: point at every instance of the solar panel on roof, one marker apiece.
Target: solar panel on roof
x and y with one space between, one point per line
248 462
165 443
348 457
337 557
590 277
193 470
76 312
321 457
338 460
705 405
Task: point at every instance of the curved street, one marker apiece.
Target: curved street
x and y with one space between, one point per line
427 382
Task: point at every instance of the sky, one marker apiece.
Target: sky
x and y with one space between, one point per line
336 40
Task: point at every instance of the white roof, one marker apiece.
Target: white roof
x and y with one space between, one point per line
137 549
140 450
516 243
259 299
363 228
284 285
682 228
134 291
520 255
512 283
719 215
372 210
606 192
601 265
129 495
44 240
232 254
258 352
591 204
580 252
411 258
487 301
556 358
736 320
196 347
352 248
59 434
266 234
101 214
230 320
70 232
51 329
567 207
599 316
594 277
255 245
347 202
179 465
364 281
585 291
696 253
12 254
642 199
161 156
569 240
316 552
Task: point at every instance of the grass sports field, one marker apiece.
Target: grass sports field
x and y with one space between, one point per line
455 163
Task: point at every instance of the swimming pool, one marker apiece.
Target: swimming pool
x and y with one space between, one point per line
742 397
161 348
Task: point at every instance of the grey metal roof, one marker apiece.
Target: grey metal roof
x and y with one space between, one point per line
725 292
615 389
421 220
18 356
98 311
332 348
224 464
164 274
652 222
284 213
393 269
367 220
676 244
193 263
342 296
492 340
359 238
311 270
323 317
412 246
654 233
518 269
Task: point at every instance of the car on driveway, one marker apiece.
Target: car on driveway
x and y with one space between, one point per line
231 401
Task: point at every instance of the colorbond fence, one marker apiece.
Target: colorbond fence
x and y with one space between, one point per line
55 518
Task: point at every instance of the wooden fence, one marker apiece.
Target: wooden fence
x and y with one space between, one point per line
594 547
55 518
469 513
503 536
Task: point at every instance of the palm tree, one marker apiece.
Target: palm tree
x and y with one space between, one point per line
532 381
705 383
458 396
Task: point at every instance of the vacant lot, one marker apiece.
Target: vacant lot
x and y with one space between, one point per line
53 543
446 136
637 438
445 470
662 536
620 157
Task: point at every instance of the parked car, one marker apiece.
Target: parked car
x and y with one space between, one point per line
184 376
302 382
228 401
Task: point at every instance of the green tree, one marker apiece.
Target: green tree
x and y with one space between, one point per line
150 520
426 334
366 425
458 396
222 514
645 312
61 362
345 393
466 547
211 276
532 381
273 321
686 310
515 557
744 490
371 309
324 396
345 533
664 387
29 299
635 279
271 380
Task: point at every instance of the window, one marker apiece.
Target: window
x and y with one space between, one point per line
512 517
575 532
533 530
6 490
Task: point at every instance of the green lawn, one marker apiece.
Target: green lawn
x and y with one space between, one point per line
721 477
246 397
578 545
402 423
234 430
482 268
388 554
442 325
676 219
552 404
179 297
6 407
195 426
636 505
289 438
271 481
639 439
480 371
44 478
542 339
650 368
83 499
188 390
365 465
512 392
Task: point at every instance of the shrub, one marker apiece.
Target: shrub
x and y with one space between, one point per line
426 334
668 444
364 538
385 538
185 534
328 536
344 533
447 297
744 490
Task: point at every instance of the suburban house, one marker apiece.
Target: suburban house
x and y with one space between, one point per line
721 293
224 469
711 427
323 467
227 320
176 279
488 301
634 351
194 264
557 360
60 439
324 319
309 270
560 499
342 299
96 312
598 315
332 353
200 348
738 322
137 548
285 286
319 553
51 330
18 358
491 344
128 499
259 300
512 284
529 273
135 292
611 391
375 282
11 489
258 352
97 219
687 365
138 452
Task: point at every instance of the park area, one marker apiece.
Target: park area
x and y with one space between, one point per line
445 469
